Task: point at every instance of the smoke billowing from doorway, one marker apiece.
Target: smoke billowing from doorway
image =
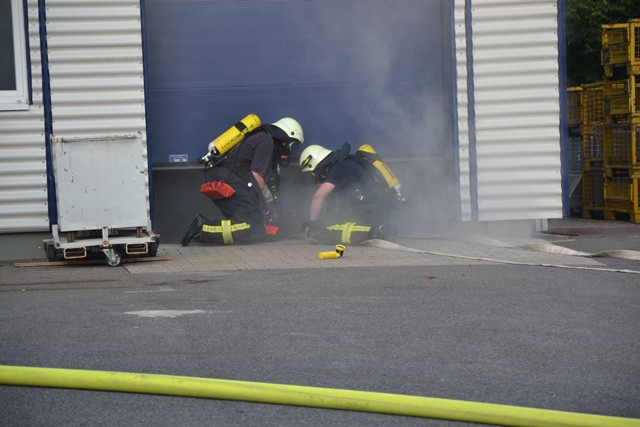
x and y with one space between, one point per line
385 67
375 72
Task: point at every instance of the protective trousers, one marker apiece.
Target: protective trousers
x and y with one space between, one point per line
350 222
243 220
348 233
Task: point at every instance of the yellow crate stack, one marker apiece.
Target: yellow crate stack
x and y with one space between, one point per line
621 146
593 125
574 135
621 49
574 107
620 99
621 108
622 171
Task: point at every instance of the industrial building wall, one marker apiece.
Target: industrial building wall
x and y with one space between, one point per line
513 149
23 169
508 152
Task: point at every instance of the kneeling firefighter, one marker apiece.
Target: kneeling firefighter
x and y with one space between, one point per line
355 197
245 163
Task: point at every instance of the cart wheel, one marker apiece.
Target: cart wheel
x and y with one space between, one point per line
153 249
117 258
53 254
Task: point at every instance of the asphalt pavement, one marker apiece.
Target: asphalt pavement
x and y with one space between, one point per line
548 322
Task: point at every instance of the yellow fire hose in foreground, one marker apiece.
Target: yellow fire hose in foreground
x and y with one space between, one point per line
348 400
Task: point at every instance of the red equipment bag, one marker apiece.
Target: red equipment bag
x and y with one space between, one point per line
271 230
217 190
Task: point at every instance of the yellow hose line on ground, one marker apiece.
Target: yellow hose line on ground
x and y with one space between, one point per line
349 400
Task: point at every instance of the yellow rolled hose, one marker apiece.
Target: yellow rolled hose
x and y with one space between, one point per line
349 400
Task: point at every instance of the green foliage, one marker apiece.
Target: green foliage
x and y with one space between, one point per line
584 35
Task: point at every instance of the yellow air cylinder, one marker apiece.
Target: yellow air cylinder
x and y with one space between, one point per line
234 135
367 151
333 254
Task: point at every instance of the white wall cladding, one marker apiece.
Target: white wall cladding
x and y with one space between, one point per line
23 181
462 109
517 112
95 66
96 70
97 89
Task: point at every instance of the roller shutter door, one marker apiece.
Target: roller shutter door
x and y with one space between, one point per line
362 71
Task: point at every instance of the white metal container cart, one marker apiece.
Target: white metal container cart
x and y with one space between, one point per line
102 192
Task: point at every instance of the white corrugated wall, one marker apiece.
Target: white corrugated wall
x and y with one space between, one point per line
516 109
23 169
95 66
462 112
97 89
96 72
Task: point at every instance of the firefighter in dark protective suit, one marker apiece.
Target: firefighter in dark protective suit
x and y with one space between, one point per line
242 189
349 206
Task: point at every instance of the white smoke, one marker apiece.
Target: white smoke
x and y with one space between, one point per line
390 64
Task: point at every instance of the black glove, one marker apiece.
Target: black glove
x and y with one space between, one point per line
310 228
271 213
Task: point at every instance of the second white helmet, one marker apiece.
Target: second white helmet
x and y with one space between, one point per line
312 156
291 127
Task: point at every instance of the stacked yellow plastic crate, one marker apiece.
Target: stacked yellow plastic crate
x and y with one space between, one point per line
593 125
621 88
574 121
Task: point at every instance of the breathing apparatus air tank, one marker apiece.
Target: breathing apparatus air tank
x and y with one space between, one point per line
232 137
372 161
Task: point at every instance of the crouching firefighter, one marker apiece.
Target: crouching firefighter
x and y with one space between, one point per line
355 197
244 165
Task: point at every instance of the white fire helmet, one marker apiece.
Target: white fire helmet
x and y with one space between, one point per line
291 127
311 156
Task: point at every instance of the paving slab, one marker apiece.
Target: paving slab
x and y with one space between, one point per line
296 253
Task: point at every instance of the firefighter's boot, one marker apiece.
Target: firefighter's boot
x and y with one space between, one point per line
193 230
386 232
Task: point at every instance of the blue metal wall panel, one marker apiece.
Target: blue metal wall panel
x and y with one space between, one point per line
363 71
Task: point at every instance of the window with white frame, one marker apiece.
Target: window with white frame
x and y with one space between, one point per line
14 87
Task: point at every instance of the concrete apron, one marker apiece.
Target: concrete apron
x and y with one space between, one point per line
297 253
